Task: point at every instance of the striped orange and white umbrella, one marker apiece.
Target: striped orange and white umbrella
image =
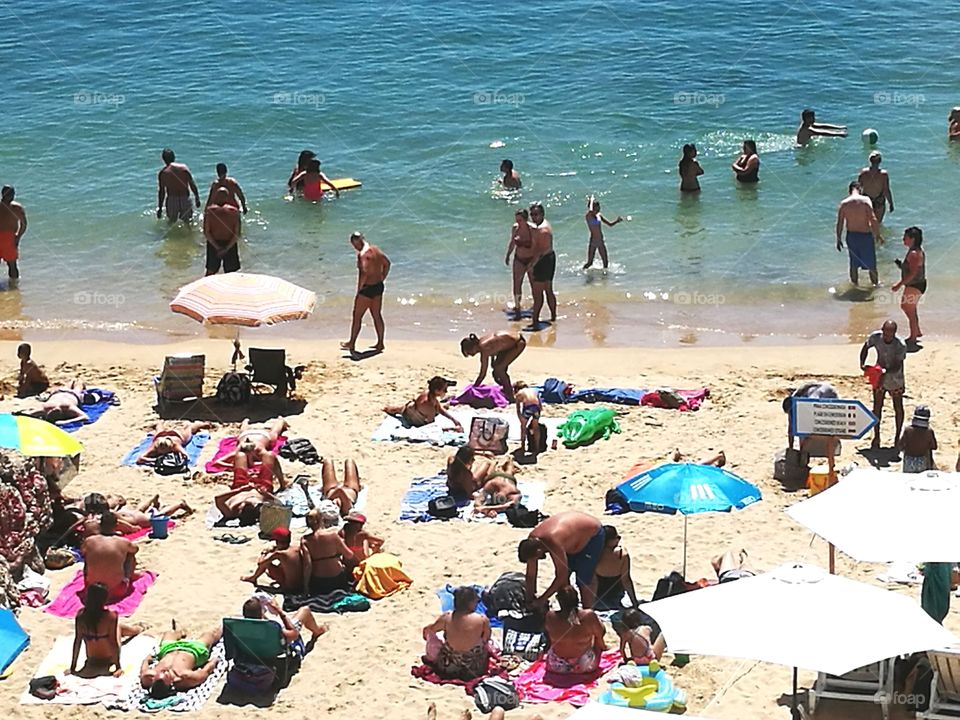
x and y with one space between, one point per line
243 299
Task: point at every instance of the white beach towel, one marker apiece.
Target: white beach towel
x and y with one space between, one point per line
292 496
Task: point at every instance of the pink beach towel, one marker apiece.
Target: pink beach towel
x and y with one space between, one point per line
143 532
68 603
535 685
692 399
228 445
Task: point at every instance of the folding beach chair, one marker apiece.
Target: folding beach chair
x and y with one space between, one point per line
181 379
269 367
945 687
871 683
253 644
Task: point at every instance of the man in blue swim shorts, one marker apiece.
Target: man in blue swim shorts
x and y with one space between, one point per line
863 232
574 541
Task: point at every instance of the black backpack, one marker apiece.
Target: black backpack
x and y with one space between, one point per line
234 388
521 516
444 507
171 463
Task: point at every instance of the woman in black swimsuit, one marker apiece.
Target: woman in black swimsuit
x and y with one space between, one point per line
747 166
913 280
612 577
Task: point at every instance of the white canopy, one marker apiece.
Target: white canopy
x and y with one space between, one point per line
876 516
599 711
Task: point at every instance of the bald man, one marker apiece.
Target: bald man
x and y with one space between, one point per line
891 353
221 228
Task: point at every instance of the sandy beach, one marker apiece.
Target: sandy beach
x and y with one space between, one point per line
361 668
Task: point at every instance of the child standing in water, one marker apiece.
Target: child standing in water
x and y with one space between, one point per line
596 243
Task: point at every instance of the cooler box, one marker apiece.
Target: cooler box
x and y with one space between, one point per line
818 479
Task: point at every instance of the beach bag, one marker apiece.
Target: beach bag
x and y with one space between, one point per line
273 516
543 439
234 388
524 637
251 679
494 692
507 596
791 468
521 516
172 463
443 507
489 434
554 391
44 687
615 502
300 449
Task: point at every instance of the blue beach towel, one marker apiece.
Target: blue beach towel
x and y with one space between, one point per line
446 602
616 396
193 448
12 638
93 410
413 506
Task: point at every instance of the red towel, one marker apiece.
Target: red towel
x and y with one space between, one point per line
426 672
68 603
692 399
228 445
143 532
536 686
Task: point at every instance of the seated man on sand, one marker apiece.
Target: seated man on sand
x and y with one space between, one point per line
576 636
242 503
110 560
499 492
99 631
254 460
325 556
466 475
179 664
344 495
282 564
464 652
169 438
425 407
267 609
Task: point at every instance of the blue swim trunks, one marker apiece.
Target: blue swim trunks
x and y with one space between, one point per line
862 250
584 563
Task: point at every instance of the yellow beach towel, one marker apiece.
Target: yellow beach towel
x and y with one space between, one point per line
380 576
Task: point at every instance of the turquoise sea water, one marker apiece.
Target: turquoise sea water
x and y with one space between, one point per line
408 97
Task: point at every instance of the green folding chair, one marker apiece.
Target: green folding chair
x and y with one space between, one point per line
251 642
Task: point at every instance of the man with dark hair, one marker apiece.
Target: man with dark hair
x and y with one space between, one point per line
876 186
13 224
179 664
109 559
221 228
543 266
373 266
511 178
174 185
237 198
253 609
863 233
574 541
810 128
281 563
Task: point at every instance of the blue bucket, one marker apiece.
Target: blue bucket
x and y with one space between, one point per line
158 526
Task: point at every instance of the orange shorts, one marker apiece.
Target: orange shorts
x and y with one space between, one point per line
8 246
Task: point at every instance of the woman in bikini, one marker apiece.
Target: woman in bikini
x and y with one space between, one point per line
425 407
499 491
254 459
361 542
344 495
690 170
169 438
913 280
521 247
99 630
325 555
464 652
466 474
595 223
636 645
576 636
747 166
498 349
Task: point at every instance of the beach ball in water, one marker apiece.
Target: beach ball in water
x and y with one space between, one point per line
870 136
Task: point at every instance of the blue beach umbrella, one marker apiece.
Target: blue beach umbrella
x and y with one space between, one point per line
688 489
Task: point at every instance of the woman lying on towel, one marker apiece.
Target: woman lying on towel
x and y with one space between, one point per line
99 630
170 437
128 520
62 405
425 407
344 495
576 636
498 493
254 460
466 475
464 652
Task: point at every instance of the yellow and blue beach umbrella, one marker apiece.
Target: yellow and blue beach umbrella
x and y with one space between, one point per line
36 438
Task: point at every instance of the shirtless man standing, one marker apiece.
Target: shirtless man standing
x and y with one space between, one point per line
109 559
175 185
809 128
13 224
237 198
281 563
544 266
876 186
221 228
373 267
863 232
574 541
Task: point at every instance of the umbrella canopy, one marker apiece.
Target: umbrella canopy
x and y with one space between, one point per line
12 638
243 299
799 616
876 516
36 438
598 711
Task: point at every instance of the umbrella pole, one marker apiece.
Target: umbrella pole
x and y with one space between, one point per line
794 710
684 548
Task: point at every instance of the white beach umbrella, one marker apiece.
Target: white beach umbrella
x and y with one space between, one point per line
599 711
799 616
877 516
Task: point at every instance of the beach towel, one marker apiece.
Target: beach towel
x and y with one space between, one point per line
292 496
192 448
616 396
901 573
13 639
227 445
75 690
426 672
93 410
338 601
441 433
414 504
690 399
143 532
535 685
380 575
67 604
188 701
485 397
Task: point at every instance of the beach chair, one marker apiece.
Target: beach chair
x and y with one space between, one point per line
269 367
872 683
181 379
945 687
251 643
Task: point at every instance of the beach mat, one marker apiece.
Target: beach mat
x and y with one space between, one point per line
13 639
143 532
292 496
227 445
94 411
427 673
535 685
337 601
192 448
88 691
440 432
416 501
67 603
188 701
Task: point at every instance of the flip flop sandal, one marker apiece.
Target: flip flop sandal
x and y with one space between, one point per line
232 539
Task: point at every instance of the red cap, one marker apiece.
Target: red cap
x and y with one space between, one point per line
279 533
356 517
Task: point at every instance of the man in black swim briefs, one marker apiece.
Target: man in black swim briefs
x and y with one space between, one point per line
372 268
544 266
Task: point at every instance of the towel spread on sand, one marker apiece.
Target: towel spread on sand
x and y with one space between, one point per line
67 603
440 432
93 410
87 691
292 496
415 502
192 448
557 391
143 532
227 445
188 701
426 672
481 396
337 601
535 685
